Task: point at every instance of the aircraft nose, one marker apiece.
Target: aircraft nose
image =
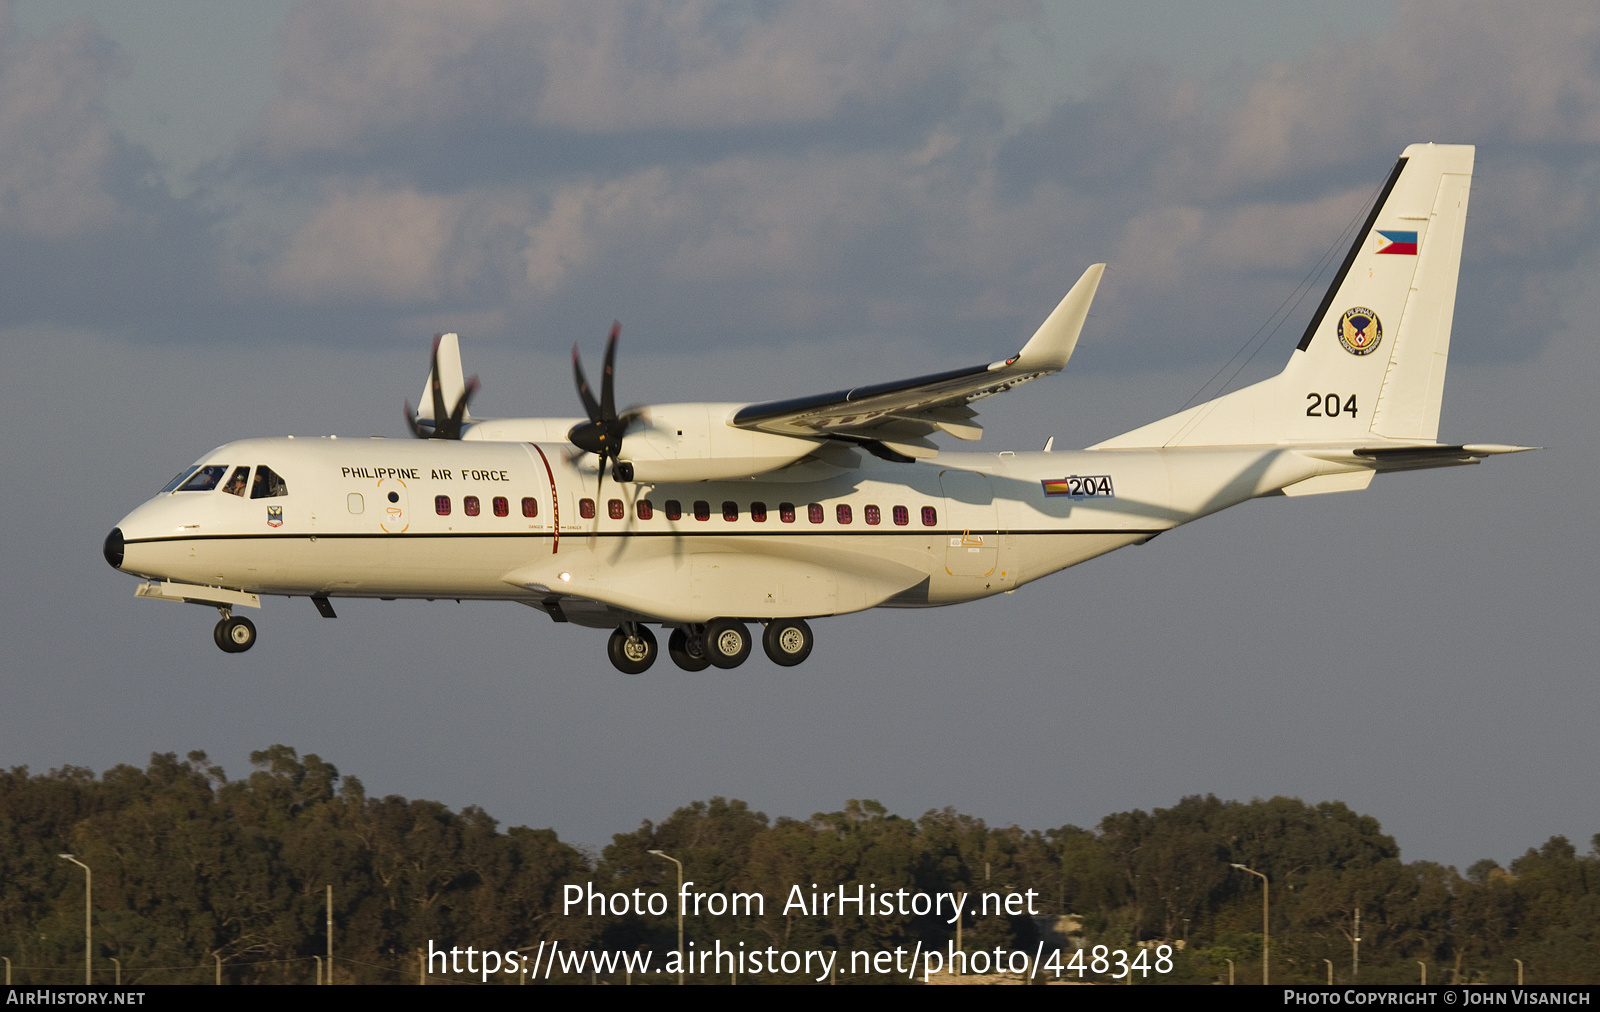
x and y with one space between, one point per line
113 548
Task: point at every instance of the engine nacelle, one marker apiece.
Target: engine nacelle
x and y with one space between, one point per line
695 442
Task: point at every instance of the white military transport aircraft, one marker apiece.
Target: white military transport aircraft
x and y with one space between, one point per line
718 516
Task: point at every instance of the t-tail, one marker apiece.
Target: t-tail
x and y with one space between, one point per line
1368 374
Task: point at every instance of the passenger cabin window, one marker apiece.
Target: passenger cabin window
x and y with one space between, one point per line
730 510
814 513
645 510
874 515
614 509
237 481
702 510
177 480
267 484
786 512
441 505
469 505
902 516
530 506
586 508
674 509
842 512
930 516
501 507
758 512
205 479
355 503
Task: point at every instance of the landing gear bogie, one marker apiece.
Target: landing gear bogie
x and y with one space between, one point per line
727 642
632 649
787 641
687 648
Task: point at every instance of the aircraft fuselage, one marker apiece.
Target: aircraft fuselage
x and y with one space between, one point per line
382 518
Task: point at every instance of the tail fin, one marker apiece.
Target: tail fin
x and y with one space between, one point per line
1371 364
452 383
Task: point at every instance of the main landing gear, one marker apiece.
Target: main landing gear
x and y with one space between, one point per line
724 642
234 633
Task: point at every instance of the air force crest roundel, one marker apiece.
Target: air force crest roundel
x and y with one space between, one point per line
274 516
1359 331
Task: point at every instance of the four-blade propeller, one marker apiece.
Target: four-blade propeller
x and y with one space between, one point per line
447 421
602 433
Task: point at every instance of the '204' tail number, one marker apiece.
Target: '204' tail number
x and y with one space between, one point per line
1330 406
1079 486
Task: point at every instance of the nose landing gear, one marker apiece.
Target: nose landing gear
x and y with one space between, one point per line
234 634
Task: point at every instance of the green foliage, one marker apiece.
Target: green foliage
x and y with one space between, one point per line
191 867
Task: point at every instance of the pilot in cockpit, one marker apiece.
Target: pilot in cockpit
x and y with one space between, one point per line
235 484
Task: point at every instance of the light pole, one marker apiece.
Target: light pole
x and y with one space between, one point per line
1355 950
1264 897
1330 970
668 857
88 922
1230 972
1516 961
118 964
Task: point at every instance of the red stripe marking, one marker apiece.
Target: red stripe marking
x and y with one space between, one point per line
555 503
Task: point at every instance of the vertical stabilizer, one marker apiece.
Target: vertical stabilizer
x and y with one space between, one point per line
452 383
1370 366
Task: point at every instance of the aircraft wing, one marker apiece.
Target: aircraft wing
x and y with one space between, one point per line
899 415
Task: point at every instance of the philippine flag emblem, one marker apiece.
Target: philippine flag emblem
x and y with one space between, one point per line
274 516
1397 243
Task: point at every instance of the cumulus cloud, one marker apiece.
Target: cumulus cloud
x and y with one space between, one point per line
56 147
741 174
358 75
393 245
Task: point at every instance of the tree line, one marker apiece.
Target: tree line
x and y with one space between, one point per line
197 876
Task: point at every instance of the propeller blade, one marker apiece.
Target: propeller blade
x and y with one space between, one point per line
414 425
451 427
591 407
608 403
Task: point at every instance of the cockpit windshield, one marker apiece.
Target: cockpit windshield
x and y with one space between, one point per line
268 485
177 480
204 479
236 482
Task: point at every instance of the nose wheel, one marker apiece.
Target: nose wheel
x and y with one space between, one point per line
234 634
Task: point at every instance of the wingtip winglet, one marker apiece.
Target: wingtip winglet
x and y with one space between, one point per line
1053 343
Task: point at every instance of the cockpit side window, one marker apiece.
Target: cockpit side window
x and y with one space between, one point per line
267 484
177 480
204 479
237 481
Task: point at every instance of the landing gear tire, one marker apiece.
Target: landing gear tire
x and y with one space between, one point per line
688 652
727 642
787 641
632 653
235 635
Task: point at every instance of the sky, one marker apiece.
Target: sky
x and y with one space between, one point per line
219 221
